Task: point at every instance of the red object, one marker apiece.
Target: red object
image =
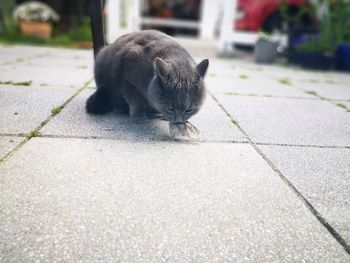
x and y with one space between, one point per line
256 12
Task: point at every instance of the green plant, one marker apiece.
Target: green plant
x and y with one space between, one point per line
264 36
32 134
311 92
79 33
340 16
55 111
291 16
341 105
35 11
21 83
8 21
82 32
243 76
234 121
285 81
333 28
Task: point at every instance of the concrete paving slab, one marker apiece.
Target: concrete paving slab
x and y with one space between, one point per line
58 62
152 202
322 175
327 90
290 121
74 121
231 67
22 51
8 143
6 59
220 66
24 108
296 74
34 51
48 76
68 53
252 85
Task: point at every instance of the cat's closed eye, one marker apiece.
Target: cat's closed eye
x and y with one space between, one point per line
189 111
171 109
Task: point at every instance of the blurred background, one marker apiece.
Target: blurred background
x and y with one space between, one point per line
310 33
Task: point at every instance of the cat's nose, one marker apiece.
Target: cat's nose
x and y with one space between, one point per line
178 119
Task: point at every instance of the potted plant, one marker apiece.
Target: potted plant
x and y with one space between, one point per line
343 56
341 11
317 51
265 50
329 47
35 19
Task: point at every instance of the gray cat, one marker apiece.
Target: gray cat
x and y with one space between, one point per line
148 73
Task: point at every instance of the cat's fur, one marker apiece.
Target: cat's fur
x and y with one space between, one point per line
147 73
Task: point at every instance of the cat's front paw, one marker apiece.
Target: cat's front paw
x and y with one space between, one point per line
183 131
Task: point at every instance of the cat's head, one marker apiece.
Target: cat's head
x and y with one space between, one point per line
177 92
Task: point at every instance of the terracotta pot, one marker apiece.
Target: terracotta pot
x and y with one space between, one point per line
36 28
81 44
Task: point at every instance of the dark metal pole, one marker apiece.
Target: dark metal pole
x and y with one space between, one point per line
96 20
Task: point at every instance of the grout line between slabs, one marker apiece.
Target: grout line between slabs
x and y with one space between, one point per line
42 124
91 137
303 145
317 96
23 60
265 96
310 207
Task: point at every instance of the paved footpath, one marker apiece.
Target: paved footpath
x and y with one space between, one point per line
268 180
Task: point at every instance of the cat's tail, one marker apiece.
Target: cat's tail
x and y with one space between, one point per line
99 103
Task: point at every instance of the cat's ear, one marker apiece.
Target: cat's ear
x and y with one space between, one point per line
202 67
162 68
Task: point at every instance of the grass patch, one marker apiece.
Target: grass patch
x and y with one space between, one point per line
285 63
44 85
234 121
212 74
311 92
252 94
32 134
82 67
55 110
341 105
314 81
21 83
243 76
87 83
285 81
231 93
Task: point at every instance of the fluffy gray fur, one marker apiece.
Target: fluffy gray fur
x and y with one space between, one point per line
148 73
